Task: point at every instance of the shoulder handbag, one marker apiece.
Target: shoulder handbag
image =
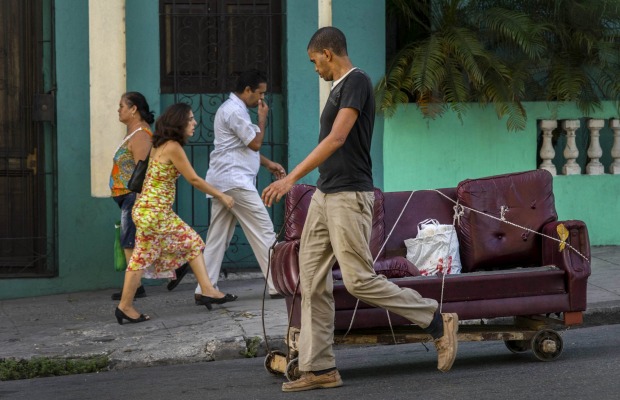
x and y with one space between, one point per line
137 177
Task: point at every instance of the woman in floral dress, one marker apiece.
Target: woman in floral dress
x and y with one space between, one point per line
163 241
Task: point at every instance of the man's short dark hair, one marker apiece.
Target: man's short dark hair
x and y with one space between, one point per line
252 78
329 38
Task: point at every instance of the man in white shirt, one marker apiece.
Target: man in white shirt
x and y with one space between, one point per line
233 167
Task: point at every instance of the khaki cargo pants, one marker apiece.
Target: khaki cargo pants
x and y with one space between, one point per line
338 227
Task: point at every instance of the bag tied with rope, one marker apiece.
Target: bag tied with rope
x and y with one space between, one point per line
435 249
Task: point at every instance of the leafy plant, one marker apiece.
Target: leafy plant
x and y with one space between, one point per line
252 347
502 52
11 369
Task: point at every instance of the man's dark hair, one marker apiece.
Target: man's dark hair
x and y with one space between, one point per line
171 125
329 38
251 78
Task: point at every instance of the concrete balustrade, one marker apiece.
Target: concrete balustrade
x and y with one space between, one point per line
571 153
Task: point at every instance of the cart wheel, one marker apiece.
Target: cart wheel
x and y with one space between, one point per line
292 370
547 345
273 360
518 346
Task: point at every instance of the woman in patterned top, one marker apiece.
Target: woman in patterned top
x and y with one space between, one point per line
164 242
134 112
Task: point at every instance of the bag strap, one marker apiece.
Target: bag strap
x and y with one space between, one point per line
126 139
428 221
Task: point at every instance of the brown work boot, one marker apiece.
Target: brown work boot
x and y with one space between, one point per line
310 381
447 344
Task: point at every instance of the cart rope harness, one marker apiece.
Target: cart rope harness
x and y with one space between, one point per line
459 211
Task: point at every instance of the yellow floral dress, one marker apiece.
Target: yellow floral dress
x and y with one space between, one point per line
164 241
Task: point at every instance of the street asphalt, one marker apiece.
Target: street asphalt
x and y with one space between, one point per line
78 325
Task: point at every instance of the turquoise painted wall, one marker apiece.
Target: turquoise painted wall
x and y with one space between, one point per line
142 28
302 90
85 224
427 154
365 31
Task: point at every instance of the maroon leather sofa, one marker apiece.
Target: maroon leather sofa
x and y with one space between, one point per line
506 270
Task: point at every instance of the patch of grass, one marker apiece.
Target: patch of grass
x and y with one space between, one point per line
12 369
252 347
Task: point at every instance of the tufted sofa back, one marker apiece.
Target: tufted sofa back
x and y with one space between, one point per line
486 243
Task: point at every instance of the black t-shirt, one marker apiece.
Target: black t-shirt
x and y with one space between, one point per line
349 169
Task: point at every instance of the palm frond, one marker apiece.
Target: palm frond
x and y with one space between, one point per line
502 52
514 27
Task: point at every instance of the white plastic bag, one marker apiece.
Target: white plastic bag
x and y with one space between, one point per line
435 249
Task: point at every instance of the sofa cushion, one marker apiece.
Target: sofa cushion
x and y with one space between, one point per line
392 267
475 286
487 243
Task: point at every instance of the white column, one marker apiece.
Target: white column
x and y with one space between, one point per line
325 19
594 167
106 33
570 150
547 153
614 168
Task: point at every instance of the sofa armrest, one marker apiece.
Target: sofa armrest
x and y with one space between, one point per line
577 268
285 267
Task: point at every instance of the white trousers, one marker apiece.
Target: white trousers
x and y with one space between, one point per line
252 215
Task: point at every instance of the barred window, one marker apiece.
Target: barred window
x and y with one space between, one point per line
205 44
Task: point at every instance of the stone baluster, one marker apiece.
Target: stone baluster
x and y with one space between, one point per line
594 167
570 150
614 168
547 153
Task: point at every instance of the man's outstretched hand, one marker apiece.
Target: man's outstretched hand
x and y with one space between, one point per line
277 170
277 190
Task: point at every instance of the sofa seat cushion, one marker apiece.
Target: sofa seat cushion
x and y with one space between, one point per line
526 199
483 285
393 267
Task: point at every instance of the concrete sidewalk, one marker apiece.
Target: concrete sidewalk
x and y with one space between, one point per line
83 324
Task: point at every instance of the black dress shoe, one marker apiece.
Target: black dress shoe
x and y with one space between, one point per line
140 293
181 271
228 298
276 296
120 316
200 299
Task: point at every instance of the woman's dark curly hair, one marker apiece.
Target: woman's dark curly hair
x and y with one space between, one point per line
171 125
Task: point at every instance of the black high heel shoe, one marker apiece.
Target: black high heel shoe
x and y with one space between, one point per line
228 298
181 272
204 301
208 301
120 316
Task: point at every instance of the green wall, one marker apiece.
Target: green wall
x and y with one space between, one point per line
142 31
427 154
365 31
85 224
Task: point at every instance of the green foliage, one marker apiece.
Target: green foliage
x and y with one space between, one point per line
11 369
252 347
503 52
